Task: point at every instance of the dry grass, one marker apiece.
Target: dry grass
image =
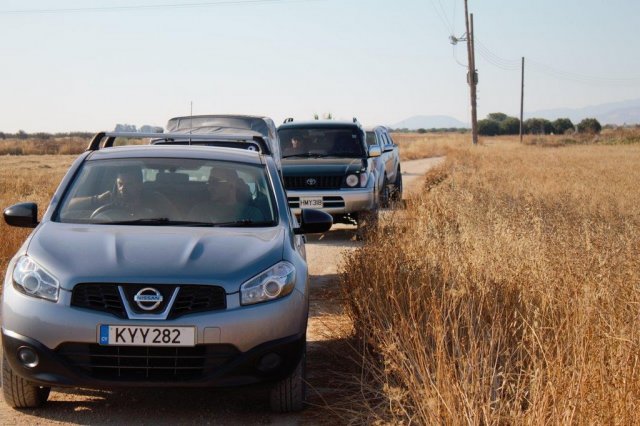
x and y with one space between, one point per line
27 178
414 145
508 292
52 146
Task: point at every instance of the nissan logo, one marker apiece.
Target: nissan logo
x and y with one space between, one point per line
148 298
311 182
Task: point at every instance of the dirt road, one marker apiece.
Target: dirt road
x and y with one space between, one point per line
198 406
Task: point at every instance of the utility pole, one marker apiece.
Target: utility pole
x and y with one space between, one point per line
472 76
522 102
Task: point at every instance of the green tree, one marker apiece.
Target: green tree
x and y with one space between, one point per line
510 126
421 130
589 125
538 126
488 127
561 125
497 116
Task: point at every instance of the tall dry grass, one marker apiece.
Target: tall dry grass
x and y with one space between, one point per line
51 146
508 292
26 178
413 146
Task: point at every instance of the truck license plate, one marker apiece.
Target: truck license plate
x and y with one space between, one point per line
311 202
126 335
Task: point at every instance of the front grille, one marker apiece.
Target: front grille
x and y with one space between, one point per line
198 298
321 182
137 363
105 297
98 297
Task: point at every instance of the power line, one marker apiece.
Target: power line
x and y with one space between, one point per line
511 65
145 7
441 16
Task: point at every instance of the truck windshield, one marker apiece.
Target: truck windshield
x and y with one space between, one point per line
169 192
321 142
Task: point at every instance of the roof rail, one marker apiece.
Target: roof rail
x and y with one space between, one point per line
176 138
355 120
288 120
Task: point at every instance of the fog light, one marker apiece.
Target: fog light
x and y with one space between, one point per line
269 362
28 357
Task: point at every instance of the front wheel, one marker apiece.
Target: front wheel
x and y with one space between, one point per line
289 394
21 393
397 187
384 193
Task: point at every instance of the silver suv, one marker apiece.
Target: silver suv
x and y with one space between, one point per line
159 266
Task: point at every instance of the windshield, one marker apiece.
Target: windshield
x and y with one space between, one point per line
321 142
169 191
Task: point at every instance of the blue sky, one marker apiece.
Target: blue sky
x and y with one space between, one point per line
379 60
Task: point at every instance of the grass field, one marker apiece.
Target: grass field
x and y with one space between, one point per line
507 293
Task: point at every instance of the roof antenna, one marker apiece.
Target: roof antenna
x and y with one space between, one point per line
191 121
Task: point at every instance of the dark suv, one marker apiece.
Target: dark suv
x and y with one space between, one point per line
328 165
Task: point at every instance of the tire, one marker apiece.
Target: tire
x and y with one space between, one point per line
21 393
384 193
289 394
397 187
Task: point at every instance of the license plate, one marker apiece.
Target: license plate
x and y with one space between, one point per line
313 202
127 335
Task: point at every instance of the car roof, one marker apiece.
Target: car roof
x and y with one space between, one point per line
319 124
374 128
178 151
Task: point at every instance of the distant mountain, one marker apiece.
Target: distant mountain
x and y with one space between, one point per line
625 112
429 122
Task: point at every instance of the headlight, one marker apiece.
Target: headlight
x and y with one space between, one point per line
32 279
275 282
352 180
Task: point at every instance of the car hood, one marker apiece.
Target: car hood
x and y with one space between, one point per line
324 166
227 257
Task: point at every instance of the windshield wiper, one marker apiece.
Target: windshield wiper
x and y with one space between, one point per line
158 221
245 222
306 155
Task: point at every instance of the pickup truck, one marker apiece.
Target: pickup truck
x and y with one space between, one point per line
387 165
328 165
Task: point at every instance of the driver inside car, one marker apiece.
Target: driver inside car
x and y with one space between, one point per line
130 202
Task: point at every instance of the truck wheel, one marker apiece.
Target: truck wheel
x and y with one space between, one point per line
289 394
21 393
384 193
397 190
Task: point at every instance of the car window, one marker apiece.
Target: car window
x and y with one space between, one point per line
169 191
321 142
371 138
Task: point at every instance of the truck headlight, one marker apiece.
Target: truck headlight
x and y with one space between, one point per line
274 283
352 180
33 280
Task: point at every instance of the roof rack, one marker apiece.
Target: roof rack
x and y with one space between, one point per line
288 120
103 140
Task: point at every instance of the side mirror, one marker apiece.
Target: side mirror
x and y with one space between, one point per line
388 148
24 215
375 151
314 222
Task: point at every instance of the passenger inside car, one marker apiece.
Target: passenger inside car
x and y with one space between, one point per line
229 200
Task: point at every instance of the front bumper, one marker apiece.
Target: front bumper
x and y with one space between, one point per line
100 367
335 202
